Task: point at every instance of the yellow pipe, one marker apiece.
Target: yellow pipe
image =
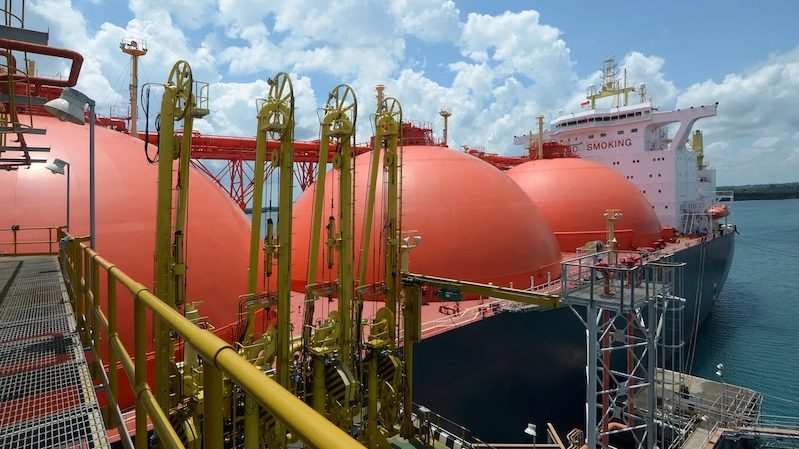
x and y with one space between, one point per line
371 402
411 314
391 164
257 204
346 251
140 373
166 434
286 183
377 146
184 159
163 243
511 294
319 200
212 404
124 359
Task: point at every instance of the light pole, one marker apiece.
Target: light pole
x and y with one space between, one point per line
530 430
59 167
720 373
69 107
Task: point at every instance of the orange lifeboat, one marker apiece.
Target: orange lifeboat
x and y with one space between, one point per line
717 211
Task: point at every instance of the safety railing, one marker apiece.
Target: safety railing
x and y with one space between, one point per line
29 241
86 270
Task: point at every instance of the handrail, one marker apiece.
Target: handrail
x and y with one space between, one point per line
15 243
82 266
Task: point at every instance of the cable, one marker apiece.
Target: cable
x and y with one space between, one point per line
146 102
767 249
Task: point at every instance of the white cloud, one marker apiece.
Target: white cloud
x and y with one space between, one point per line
758 113
502 70
429 21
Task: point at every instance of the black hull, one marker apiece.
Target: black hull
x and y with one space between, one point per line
496 375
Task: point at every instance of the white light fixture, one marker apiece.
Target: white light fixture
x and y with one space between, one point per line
57 166
719 373
69 106
530 430
720 366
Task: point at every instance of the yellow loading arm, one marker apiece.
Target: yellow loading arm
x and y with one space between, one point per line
390 118
387 129
178 103
330 346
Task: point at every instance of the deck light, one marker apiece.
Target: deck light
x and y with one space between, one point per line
69 108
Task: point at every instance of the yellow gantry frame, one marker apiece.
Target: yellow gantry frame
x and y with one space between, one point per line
275 117
338 122
176 104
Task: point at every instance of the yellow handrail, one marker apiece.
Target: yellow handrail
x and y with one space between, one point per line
15 243
220 358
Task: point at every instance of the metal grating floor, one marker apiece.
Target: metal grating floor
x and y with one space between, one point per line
47 395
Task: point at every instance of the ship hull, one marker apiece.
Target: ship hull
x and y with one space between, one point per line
498 374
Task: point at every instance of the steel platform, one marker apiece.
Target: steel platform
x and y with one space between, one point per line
47 397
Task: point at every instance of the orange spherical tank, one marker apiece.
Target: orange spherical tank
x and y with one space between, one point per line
574 194
216 237
475 223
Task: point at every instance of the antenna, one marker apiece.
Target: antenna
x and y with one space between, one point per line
134 48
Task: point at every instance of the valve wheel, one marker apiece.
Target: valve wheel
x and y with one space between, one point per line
281 96
181 78
342 99
392 108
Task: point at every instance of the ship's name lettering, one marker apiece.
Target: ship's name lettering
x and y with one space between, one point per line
609 144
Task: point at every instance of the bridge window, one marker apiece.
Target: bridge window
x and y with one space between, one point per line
590 136
621 131
602 134
634 130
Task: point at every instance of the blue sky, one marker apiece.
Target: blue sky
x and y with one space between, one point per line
495 64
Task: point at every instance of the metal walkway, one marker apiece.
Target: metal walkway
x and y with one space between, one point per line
47 397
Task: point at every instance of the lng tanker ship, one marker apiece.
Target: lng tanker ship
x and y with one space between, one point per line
526 365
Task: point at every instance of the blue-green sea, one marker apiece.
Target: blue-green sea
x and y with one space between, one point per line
753 328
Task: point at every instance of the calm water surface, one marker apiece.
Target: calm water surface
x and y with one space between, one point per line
754 326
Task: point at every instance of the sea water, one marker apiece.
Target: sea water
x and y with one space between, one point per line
753 328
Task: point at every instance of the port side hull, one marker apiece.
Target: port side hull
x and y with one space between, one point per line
496 375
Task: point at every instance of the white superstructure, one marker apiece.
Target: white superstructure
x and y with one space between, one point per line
653 149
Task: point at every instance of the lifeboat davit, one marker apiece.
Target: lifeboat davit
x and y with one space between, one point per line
475 223
573 195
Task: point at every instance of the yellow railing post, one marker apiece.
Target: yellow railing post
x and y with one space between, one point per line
113 380
77 284
212 404
94 326
140 381
87 288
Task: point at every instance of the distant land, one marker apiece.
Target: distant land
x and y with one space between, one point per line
764 191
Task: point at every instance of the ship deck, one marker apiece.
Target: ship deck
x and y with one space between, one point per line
47 397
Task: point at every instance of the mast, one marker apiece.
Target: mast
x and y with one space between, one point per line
446 114
134 49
